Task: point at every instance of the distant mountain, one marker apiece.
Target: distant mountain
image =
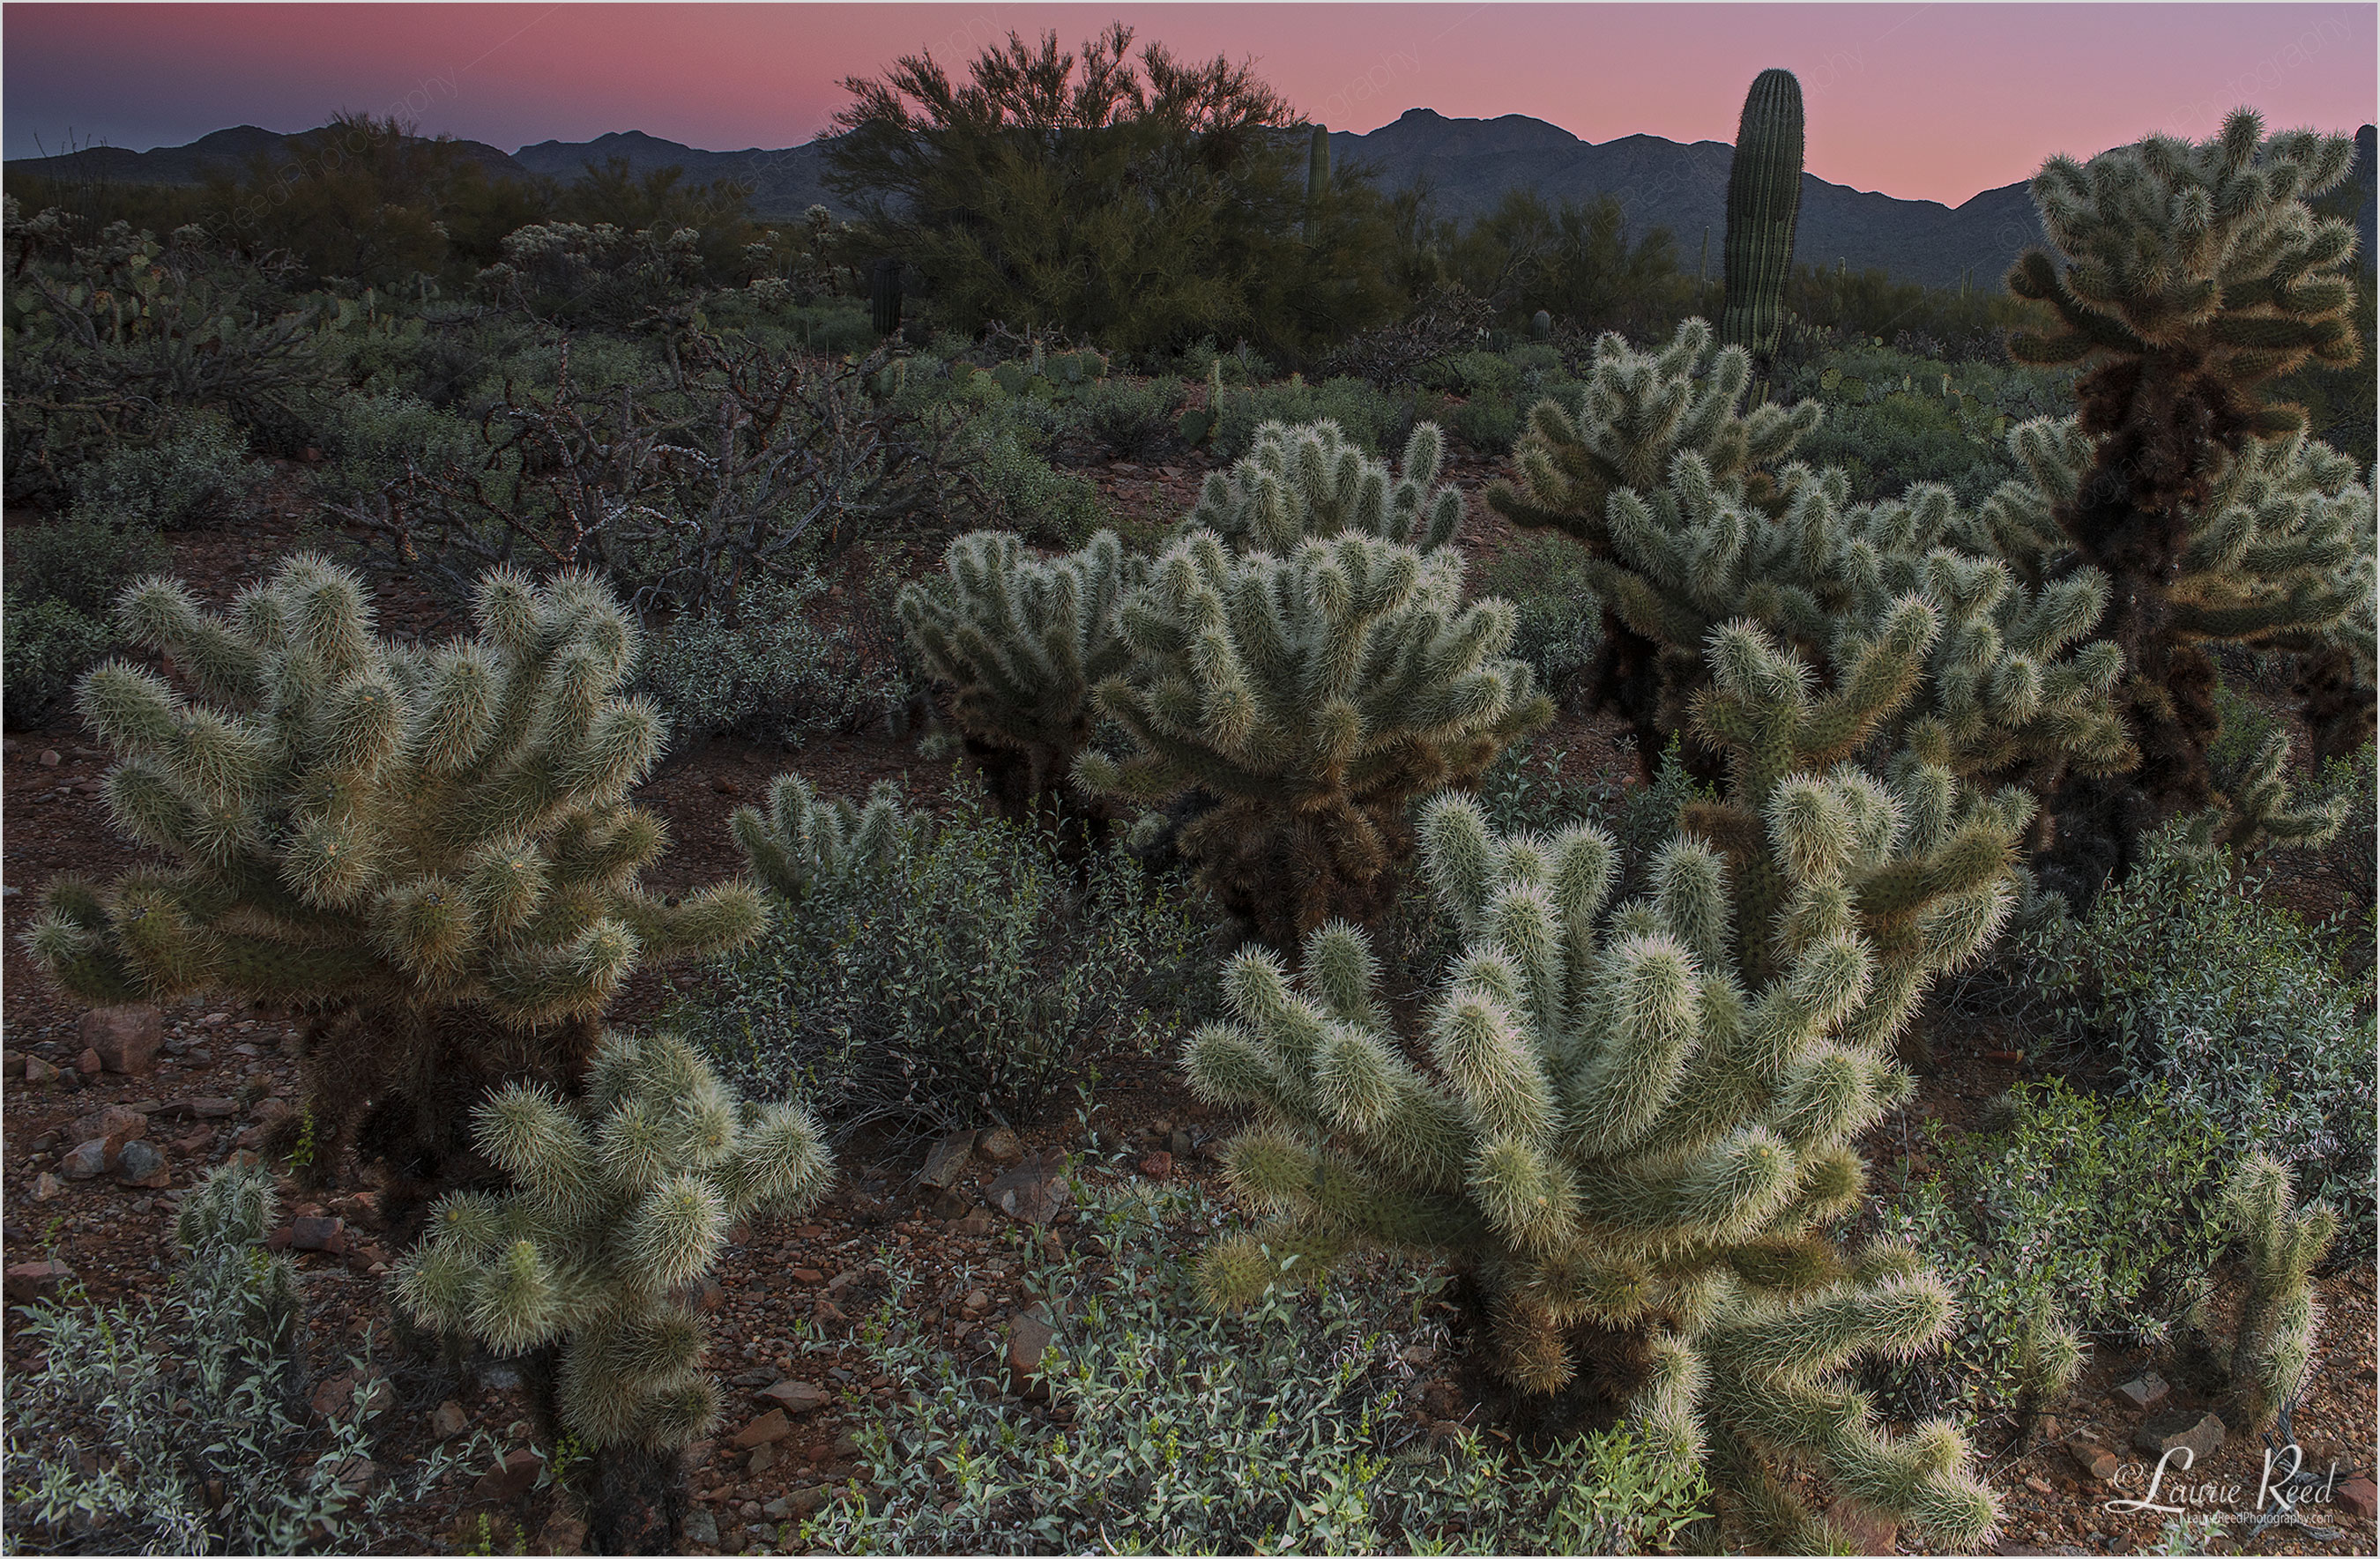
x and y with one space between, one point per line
1468 165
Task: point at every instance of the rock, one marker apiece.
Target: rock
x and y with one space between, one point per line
213 1110
562 1534
770 1426
703 1528
2144 1393
778 1509
1028 1338
976 1224
2095 1461
808 1498
763 1459
1862 1529
270 1111
510 1482
497 1375
1035 1191
334 1399
1179 1143
48 1187
2201 1435
947 1159
127 1039
977 1300
2359 1496
50 758
88 1063
449 1420
794 1397
38 1070
999 1145
1158 1166
142 1164
806 1275
2040 1486
85 1161
318 1234
948 1205
27 1282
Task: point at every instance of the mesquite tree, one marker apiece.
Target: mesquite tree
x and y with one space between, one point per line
428 853
1635 1127
2188 277
1314 697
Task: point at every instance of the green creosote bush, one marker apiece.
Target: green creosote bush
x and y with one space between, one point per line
959 972
372 436
2069 1219
1374 419
619 1202
116 1435
199 474
1131 418
1043 505
1489 423
45 647
2234 1008
1286 1427
769 672
1556 617
63 579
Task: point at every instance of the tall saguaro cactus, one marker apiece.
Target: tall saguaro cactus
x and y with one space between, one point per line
1314 696
1317 170
429 853
1637 1125
1764 203
2191 277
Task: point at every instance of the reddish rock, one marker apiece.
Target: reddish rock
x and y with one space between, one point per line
770 1426
2356 1494
2144 1393
48 1187
318 1234
126 1039
1028 1337
38 1070
515 1478
2096 1460
794 1397
1158 1166
88 1063
1035 1191
26 1282
2201 1435
86 1160
999 1145
142 1164
113 1124
449 1420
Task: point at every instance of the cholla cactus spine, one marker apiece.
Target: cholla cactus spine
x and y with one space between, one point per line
2272 1344
1311 483
802 840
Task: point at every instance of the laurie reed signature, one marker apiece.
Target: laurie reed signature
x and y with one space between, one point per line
2282 1484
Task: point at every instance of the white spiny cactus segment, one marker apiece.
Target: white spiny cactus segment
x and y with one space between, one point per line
1494 1069
1644 1005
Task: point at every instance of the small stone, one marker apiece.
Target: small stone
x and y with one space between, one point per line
1179 1143
2144 1393
2050 1428
85 1161
515 1478
1035 1191
703 1528
210 1109
318 1234
976 1224
48 1187
946 1159
2039 1486
2201 1435
334 1399
763 1457
127 1039
50 758
770 1425
778 1509
449 1420
88 1063
999 1145
38 1070
142 1164
1158 1166
270 1111
808 1498
2359 1495
1028 1338
26 1282
808 1275
977 1300
562 1534
794 1397
2096 1460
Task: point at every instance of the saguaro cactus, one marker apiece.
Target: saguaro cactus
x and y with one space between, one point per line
1317 169
1764 202
1314 696
1638 1124
2193 275
884 296
427 852
1310 483
1022 641
621 1198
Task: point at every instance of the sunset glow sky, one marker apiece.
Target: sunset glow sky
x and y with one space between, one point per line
1934 101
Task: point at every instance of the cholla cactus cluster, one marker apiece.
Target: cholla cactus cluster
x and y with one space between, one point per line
2272 1343
428 850
1314 696
1637 1123
802 840
1310 483
619 1200
1022 641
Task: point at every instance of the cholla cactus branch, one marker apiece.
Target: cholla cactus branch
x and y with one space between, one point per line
1309 483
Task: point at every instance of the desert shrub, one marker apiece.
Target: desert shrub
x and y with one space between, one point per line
373 437
198 474
62 581
2092 1216
1287 1428
965 974
1376 419
2191 983
1026 495
1558 620
1489 423
768 671
578 273
2355 853
182 1427
1129 418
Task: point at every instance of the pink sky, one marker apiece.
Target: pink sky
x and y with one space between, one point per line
1918 101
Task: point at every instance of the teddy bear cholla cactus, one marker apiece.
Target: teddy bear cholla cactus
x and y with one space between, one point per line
1308 483
2272 1342
1314 696
428 851
2192 277
802 840
620 1198
1022 641
1632 1128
